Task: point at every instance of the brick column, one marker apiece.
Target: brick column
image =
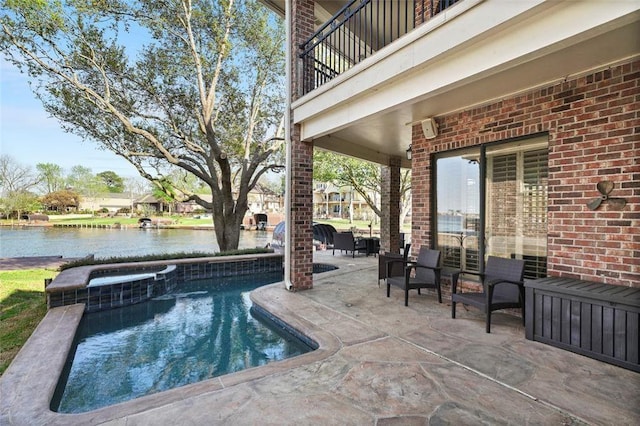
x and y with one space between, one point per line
390 206
301 247
301 173
424 9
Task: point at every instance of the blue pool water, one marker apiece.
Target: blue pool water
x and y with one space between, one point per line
202 330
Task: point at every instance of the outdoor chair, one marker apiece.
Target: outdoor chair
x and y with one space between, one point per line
388 268
345 241
427 274
503 288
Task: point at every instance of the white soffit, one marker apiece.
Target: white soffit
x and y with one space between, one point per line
535 45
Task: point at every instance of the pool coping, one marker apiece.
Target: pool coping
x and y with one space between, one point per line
31 379
78 277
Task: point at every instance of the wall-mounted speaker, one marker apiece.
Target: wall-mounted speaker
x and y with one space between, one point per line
429 128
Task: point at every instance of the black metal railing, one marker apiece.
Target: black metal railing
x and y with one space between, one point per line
357 31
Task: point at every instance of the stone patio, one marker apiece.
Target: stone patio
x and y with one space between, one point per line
379 363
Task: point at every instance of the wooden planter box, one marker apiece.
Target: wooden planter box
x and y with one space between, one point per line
592 319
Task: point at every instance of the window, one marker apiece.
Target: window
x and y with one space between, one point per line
514 208
458 207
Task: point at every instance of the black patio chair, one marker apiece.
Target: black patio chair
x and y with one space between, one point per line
387 265
503 288
427 274
345 241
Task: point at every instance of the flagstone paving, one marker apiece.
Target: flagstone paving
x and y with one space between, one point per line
379 363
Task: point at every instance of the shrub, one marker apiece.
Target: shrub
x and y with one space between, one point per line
165 256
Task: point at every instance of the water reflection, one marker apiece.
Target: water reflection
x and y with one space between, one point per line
78 242
203 330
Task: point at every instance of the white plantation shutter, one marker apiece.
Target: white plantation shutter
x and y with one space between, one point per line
517 207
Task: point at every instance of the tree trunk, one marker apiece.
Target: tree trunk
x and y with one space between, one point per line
227 219
351 207
227 234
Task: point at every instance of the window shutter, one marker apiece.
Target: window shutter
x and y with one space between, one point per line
534 217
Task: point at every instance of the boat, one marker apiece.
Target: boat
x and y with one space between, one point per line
145 223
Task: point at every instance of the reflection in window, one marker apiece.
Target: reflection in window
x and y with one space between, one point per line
458 207
515 216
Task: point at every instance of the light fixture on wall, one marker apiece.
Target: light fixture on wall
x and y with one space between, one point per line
409 153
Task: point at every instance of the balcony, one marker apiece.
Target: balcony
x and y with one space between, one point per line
357 31
474 52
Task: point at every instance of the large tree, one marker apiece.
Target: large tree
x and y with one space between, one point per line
18 202
82 180
14 176
61 200
203 94
51 177
364 177
113 182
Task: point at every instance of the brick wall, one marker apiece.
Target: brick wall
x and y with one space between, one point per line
593 124
426 9
301 247
302 27
390 207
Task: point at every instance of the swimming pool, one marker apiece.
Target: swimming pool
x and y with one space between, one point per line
203 329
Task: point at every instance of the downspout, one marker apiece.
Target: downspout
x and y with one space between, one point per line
287 136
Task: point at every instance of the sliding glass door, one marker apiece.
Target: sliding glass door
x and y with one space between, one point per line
458 209
493 201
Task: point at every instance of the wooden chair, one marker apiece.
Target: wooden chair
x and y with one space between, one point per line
503 288
427 274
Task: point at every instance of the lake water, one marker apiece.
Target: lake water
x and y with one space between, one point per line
80 242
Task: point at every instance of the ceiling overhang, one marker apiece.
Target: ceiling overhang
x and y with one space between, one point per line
478 56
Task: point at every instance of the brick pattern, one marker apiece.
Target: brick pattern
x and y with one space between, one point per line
420 189
426 9
301 247
593 123
422 10
302 27
390 207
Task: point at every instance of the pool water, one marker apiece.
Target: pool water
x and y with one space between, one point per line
202 330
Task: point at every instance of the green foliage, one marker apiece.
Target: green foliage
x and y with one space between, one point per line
112 181
345 171
50 176
83 181
60 200
342 171
203 93
364 177
19 202
165 256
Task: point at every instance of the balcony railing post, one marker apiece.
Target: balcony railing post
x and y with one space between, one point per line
358 31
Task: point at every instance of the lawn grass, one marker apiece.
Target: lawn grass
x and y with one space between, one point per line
89 221
131 221
22 307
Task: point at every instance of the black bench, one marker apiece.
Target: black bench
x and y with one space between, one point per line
593 319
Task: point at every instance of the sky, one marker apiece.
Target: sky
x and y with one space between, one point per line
31 136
